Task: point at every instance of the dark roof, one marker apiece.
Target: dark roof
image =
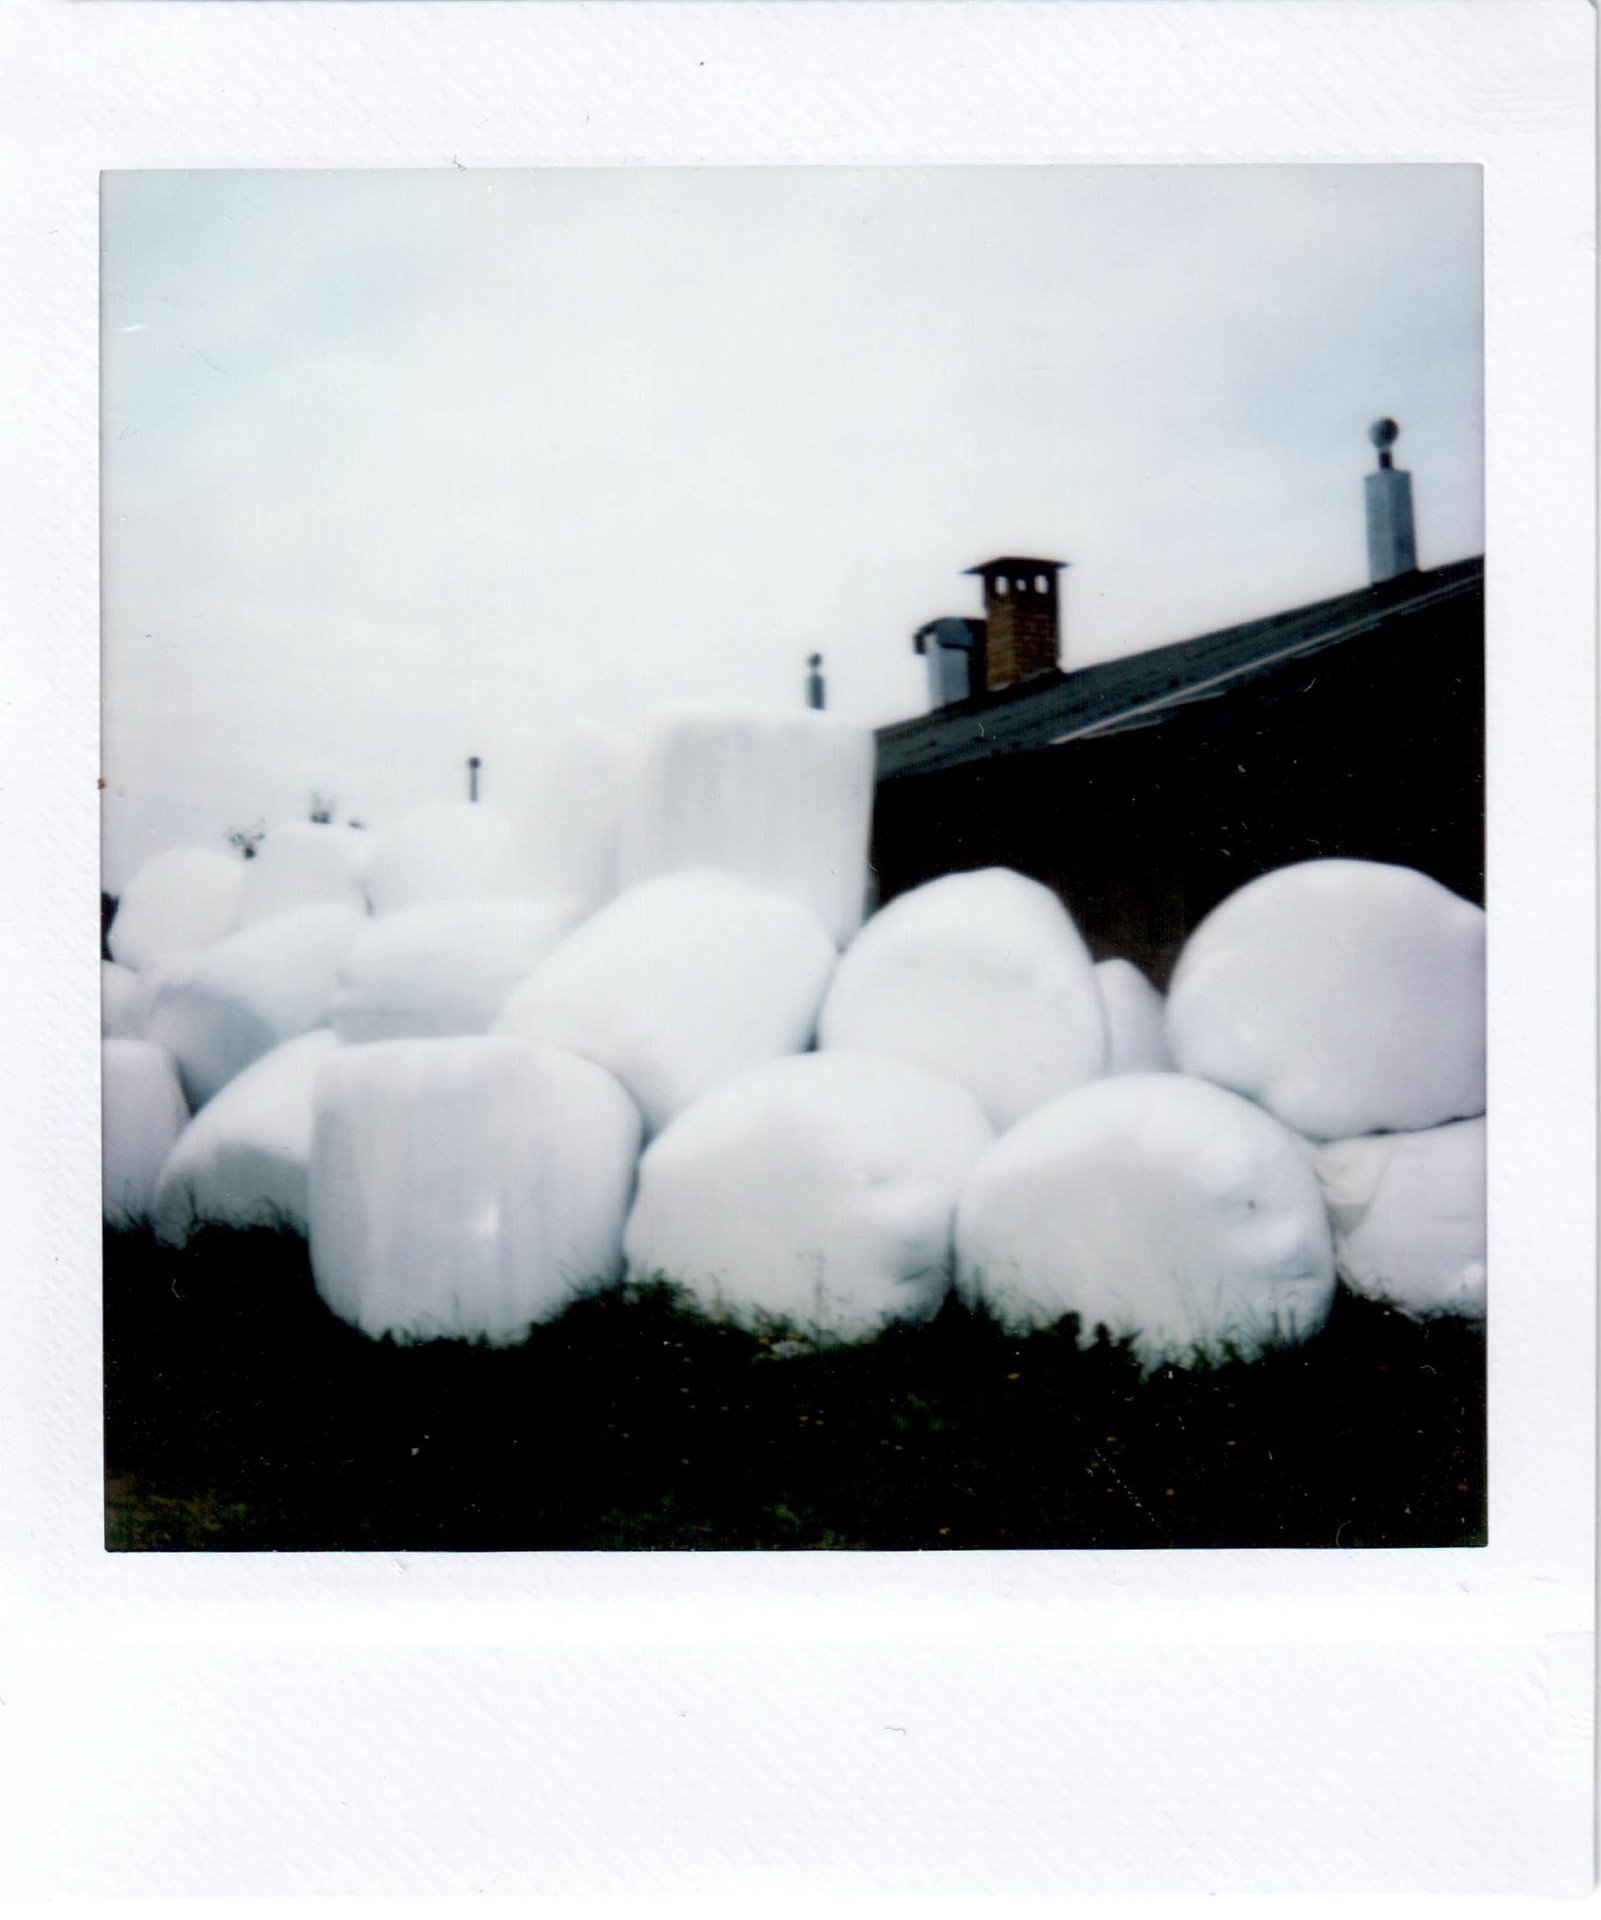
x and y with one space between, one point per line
1141 689
1015 561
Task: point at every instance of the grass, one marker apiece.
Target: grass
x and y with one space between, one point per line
241 1416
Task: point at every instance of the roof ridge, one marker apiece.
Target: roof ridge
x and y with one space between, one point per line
1127 688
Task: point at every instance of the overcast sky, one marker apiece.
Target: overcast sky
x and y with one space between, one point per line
405 466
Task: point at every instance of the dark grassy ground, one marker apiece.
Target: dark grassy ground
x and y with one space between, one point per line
241 1415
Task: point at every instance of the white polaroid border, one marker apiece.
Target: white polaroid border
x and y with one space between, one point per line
813 1724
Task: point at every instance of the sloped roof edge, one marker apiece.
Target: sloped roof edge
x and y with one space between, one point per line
1139 688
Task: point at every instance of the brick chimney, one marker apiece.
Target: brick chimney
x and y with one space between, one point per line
1022 621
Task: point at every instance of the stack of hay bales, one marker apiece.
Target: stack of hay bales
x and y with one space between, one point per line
142 1115
178 902
1161 1207
780 800
219 1010
241 977
306 863
446 967
1347 998
482 1064
817 1190
464 1187
1136 1020
678 984
1326 1024
1170 1171
981 977
244 1159
1408 1216
437 1051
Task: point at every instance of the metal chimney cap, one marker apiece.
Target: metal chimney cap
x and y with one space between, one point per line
1384 433
1017 563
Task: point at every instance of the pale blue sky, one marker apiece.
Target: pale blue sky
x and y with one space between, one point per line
405 466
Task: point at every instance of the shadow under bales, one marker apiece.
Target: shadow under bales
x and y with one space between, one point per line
242 1416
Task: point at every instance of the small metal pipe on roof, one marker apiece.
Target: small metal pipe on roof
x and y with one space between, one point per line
954 650
1392 542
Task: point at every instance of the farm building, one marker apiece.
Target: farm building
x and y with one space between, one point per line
1145 789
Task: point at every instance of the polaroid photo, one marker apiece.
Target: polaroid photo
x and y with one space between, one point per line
844 1102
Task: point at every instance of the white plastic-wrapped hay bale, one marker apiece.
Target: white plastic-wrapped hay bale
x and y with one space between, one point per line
465 1187
1345 996
430 971
449 851
242 1161
1161 1207
817 1190
178 902
782 800
1136 1020
306 863
678 985
248 994
122 1006
152 979
577 787
142 1112
981 977
1408 1211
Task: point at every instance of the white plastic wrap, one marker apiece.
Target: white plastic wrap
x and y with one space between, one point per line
1408 1211
248 994
1159 1206
152 979
431 971
465 1187
1346 996
981 977
678 985
305 863
122 1002
1136 1020
242 1161
819 1190
142 1112
450 851
177 902
782 800
578 784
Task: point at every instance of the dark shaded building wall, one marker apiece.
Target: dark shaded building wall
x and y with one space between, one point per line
1371 749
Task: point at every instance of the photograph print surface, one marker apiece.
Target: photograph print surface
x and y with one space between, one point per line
793 858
